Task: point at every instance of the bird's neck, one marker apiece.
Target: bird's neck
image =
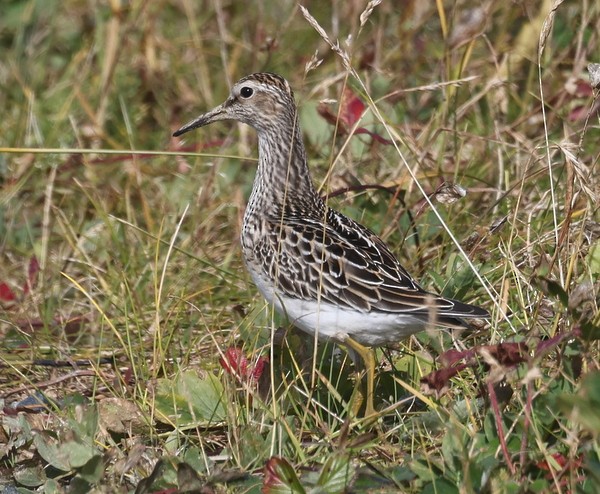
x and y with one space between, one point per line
282 180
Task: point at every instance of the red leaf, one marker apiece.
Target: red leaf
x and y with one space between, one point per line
280 477
259 368
508 354
272 471
128 375
505 355
6 293
234 362
545 346
374 135
583 89
578 113
564 463
32 271
437 382
352 108
324 110
450 357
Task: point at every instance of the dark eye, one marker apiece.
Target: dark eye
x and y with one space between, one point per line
246 92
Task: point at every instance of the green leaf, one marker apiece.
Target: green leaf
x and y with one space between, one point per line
145 485
553 288
205 395
590 331
316 129
421 470
188 479
52 487
336 474
119 416
93 470
189 400
85 425
539 485
30 476
458 280
79 486
401 474
77 453
194 457
449 449
584 406
49 449
440 485
256 449
594 259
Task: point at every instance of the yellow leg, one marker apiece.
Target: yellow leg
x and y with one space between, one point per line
368 357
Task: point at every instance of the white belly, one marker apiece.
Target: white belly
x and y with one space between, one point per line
329 321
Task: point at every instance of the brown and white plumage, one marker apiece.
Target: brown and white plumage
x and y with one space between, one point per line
329 275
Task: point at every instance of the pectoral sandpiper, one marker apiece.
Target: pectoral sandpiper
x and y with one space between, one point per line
328 274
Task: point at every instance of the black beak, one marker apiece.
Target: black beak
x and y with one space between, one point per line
218 113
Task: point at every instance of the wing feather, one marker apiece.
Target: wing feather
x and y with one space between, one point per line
343 263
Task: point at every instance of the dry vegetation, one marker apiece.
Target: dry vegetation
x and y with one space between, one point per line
126 316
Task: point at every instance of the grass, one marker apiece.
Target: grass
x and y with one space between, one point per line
135 353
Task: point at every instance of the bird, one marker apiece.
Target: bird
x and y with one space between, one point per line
330 276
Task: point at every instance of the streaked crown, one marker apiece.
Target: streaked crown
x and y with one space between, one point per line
268 79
